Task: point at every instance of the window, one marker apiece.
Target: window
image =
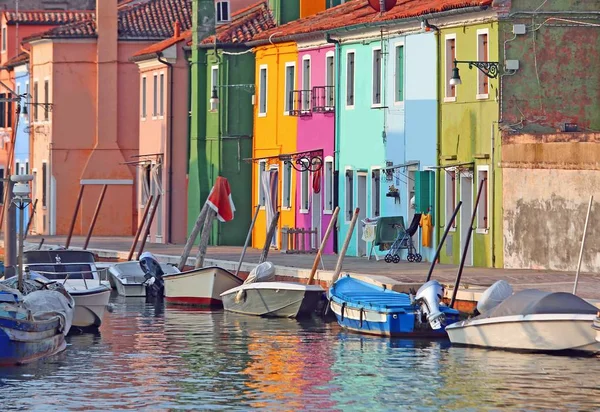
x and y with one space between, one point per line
376 192
155 97
349 194
36 100
46 99
399 79
304 191
328 184
306 83
145 179
286 200
2 110
17 168
26 167
262 167
329 80
4 40
262 90
222 11
290 77
450 57
376 83
144 96
214 87
9 111
162 95
450 196
350 79
44 182
1 185
483 56
483 206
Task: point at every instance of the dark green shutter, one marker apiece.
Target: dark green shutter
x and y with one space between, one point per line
423 199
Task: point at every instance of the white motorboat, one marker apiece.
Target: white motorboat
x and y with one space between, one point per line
260 296
596 326
129 279
531 320
77 271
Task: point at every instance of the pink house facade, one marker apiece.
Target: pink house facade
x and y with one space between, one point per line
316 132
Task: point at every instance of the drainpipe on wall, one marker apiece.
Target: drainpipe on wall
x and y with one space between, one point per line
492 178
170 145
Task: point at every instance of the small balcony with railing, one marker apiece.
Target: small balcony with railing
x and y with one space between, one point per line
323 99
301 102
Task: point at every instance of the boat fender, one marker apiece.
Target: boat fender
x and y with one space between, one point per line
342 311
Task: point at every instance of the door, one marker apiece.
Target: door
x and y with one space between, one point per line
316 209
362 214
466 211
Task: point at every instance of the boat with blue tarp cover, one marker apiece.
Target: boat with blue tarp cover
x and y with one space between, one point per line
368 308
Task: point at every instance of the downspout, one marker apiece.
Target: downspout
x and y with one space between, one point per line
336 197
170 148
493 200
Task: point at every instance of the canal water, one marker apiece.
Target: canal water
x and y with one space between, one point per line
151 358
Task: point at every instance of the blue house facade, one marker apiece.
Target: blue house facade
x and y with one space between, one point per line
21 164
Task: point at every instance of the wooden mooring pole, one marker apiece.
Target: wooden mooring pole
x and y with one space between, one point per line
74 219
587 220
95 217
192 237
313 271
239 266
342 253
148 226
140 227
269 239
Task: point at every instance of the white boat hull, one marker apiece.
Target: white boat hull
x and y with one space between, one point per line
273 299
597 327
127 278
90 305
542 332
200 287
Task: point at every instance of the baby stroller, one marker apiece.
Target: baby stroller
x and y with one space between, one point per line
404 241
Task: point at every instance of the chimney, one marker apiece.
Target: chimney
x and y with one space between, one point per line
176 29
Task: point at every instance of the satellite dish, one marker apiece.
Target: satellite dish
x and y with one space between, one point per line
376 4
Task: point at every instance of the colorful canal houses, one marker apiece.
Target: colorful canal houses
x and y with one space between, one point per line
468 143
221 124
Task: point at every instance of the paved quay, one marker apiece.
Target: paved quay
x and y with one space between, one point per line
398 276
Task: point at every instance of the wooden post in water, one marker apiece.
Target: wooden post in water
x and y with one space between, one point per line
342 254
587 219
149 225
74 219
33 209
313 271
192 237
442 240
95 217
140 227
466 249
247 240
269 240
206 229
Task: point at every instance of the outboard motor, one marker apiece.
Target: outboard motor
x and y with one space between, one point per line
429 297
155 285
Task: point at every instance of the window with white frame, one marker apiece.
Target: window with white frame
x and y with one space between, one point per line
17 167
144 96
306 83
290 84
399 74
1 185
349 186
47 100
4 40
26 167
376 83
483 206
286 195
44 184
330 80
450 190
304 191
214 87
36 100
155 97
482 56
450 57
376 192
262 91
262 169
161 97
350 79
329 175
222 12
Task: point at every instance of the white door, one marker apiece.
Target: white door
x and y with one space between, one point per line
466 211
316 210
362 214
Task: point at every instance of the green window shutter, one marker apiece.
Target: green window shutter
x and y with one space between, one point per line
432 195
400 74
422 192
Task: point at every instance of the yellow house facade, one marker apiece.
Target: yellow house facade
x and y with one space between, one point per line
275 132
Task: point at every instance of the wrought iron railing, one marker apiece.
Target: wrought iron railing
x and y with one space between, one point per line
301 103
323 99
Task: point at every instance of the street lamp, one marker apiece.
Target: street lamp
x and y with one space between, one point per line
490 69
21 200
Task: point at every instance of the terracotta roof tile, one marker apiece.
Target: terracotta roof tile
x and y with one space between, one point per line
358 11
149 20
245 24
165 44
19 59
46 17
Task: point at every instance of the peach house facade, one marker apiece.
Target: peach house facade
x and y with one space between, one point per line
89 134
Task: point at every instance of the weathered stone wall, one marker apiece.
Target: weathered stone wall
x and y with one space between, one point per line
49 4
547 183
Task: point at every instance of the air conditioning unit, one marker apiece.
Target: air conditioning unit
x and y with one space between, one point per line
222 11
